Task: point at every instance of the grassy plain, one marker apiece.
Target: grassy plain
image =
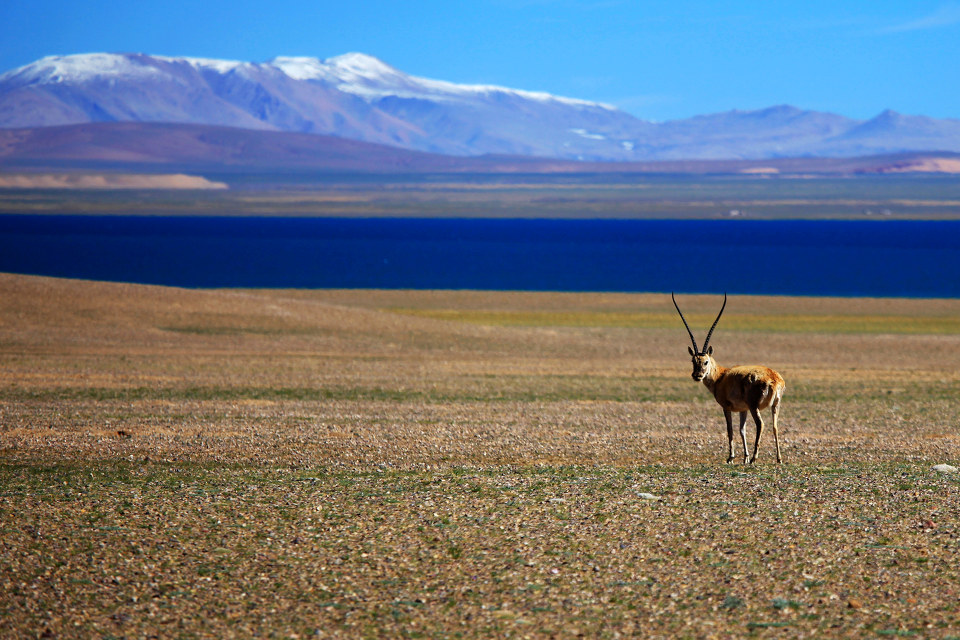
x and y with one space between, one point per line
637 196
185 463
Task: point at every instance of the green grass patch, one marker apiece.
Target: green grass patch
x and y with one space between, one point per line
665 320
509 388
783 603
505 388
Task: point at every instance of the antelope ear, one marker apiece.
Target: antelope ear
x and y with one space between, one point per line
709 351
690 349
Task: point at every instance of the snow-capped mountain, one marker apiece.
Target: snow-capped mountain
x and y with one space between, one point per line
359 97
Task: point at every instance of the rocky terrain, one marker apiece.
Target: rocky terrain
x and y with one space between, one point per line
467 464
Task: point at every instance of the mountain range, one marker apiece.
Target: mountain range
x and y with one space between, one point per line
207 149
360 98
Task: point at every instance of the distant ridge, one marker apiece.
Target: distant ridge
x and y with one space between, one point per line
358 97
132 146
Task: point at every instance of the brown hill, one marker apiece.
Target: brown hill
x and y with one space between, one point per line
186 147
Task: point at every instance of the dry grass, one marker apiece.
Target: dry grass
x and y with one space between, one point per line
467 464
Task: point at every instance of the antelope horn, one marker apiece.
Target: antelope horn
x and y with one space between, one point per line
710 333
692 339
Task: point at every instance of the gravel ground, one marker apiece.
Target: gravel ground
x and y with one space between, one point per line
178 463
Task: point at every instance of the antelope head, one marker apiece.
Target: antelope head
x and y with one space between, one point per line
703 363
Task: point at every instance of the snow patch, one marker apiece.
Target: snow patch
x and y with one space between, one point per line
372 79
301 68
583 133
200 64
362 66
83 67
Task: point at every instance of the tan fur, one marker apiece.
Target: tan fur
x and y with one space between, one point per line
742 389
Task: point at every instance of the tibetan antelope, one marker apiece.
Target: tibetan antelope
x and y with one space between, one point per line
745 388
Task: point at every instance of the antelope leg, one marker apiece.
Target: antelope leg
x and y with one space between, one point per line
743 434
759 421
776 434
729 418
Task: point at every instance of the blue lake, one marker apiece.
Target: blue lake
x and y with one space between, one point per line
836 258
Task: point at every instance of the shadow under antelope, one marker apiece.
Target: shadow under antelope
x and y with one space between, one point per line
746 388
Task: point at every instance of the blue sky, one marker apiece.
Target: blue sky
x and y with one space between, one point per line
657 60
